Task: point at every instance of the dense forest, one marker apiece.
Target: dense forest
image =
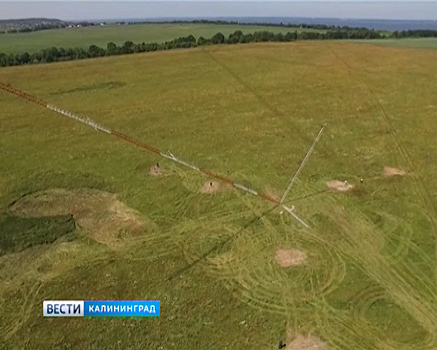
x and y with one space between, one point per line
55 54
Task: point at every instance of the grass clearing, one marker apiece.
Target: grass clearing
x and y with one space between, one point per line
419 43
249 112
118 34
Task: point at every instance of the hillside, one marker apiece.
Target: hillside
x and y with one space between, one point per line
84 215
97 35
420 43
30 24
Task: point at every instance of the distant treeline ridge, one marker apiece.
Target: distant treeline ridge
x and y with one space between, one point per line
36 24
30 25
258 24
55 54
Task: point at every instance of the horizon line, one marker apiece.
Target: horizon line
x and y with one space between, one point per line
163 19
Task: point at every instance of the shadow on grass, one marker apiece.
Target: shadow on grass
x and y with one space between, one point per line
19 233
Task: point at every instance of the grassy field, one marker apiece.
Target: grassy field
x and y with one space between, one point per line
249 112
101 36
421 43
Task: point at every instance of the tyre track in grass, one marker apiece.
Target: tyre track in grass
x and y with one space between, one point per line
20 319
421 313
425 194
356 238
398 280
397 283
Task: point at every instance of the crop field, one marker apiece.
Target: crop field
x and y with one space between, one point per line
420 43
101 36
84 215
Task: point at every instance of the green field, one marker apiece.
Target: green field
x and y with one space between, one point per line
249 112
101 36
419 43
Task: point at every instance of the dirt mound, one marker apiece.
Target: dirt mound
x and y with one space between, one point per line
341 186
108 220
290 257
301 342
388 171
213 186
155 171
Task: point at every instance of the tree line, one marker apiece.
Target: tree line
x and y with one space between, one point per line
27 26
261 24
55 54
28 29
421 33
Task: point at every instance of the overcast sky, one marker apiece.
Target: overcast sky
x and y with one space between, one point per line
83 10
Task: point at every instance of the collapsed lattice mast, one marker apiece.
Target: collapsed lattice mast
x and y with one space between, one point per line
167 155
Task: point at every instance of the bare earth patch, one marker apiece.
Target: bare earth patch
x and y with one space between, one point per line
210 187
388 171
290 257
155 171
108 220
341 186
301 342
